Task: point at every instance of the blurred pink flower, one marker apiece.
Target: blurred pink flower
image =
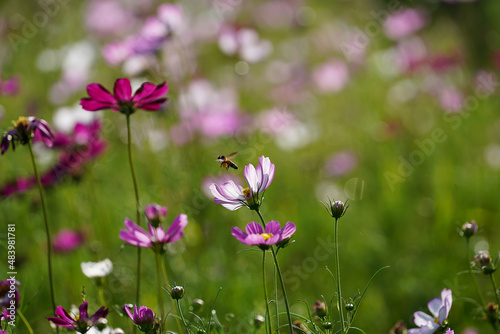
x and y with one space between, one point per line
244 42
451 99
67 240
108 18
341 163
403 23
331 76
9 86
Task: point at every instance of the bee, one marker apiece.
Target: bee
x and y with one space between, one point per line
225 161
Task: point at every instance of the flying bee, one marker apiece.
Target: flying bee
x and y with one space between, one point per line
225 161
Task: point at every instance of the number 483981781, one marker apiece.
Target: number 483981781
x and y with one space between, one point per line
11 241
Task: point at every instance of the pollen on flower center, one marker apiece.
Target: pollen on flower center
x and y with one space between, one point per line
266 235
246 192
21 121
436 320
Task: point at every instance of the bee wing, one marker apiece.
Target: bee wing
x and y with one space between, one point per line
232 155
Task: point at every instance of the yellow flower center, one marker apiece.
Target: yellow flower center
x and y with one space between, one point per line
266 235
436 320
22 120
246 192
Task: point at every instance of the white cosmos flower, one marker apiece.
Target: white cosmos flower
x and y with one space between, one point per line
97 269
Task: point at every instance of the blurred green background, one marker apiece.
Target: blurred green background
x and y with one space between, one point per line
377 113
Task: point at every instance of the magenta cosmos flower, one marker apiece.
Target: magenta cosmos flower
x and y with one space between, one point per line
156 237
147 97
440 308
82 322
144 318
25 129
273 234
233 196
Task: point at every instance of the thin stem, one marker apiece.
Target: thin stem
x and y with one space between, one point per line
275 279
158 279
100 291
473 277
26 323
268 315
47 230
337 278
137 206
284 291
261 218
495 289
179 310
165 279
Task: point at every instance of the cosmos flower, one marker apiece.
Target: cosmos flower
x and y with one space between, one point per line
256 235
144 318
67 240
147 97
97 269
25 129
440 308
156 238
82 322
233 196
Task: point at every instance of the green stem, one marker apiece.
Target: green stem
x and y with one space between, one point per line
284 291
337 278
100 291
268 315
165 279
179 310
137 207
275 279
26 323
158 279
495 289
47 230
474 280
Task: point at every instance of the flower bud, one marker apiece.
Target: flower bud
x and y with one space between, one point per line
337 209
319 308
327 325
155 214
399 328
469 229
258 321
177 292
483 261
349 307
201 331
101 323
492 311
197 304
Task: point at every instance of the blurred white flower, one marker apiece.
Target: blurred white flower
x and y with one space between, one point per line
97 269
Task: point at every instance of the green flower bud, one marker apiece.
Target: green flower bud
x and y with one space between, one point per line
258 321
177 292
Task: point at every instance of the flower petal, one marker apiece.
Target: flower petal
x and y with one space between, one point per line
288 230
97 92
238 234
123 89
421 318
273 227
175 231
254 228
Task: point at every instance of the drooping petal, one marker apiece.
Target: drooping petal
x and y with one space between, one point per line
153 105
63 314
123 89
89 104
100 313
149 92
238 234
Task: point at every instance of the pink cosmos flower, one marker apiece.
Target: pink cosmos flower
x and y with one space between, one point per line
256 235
156 238
25 129
440 308
403 23
9 86
67 240
233 196
147 97
82 322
